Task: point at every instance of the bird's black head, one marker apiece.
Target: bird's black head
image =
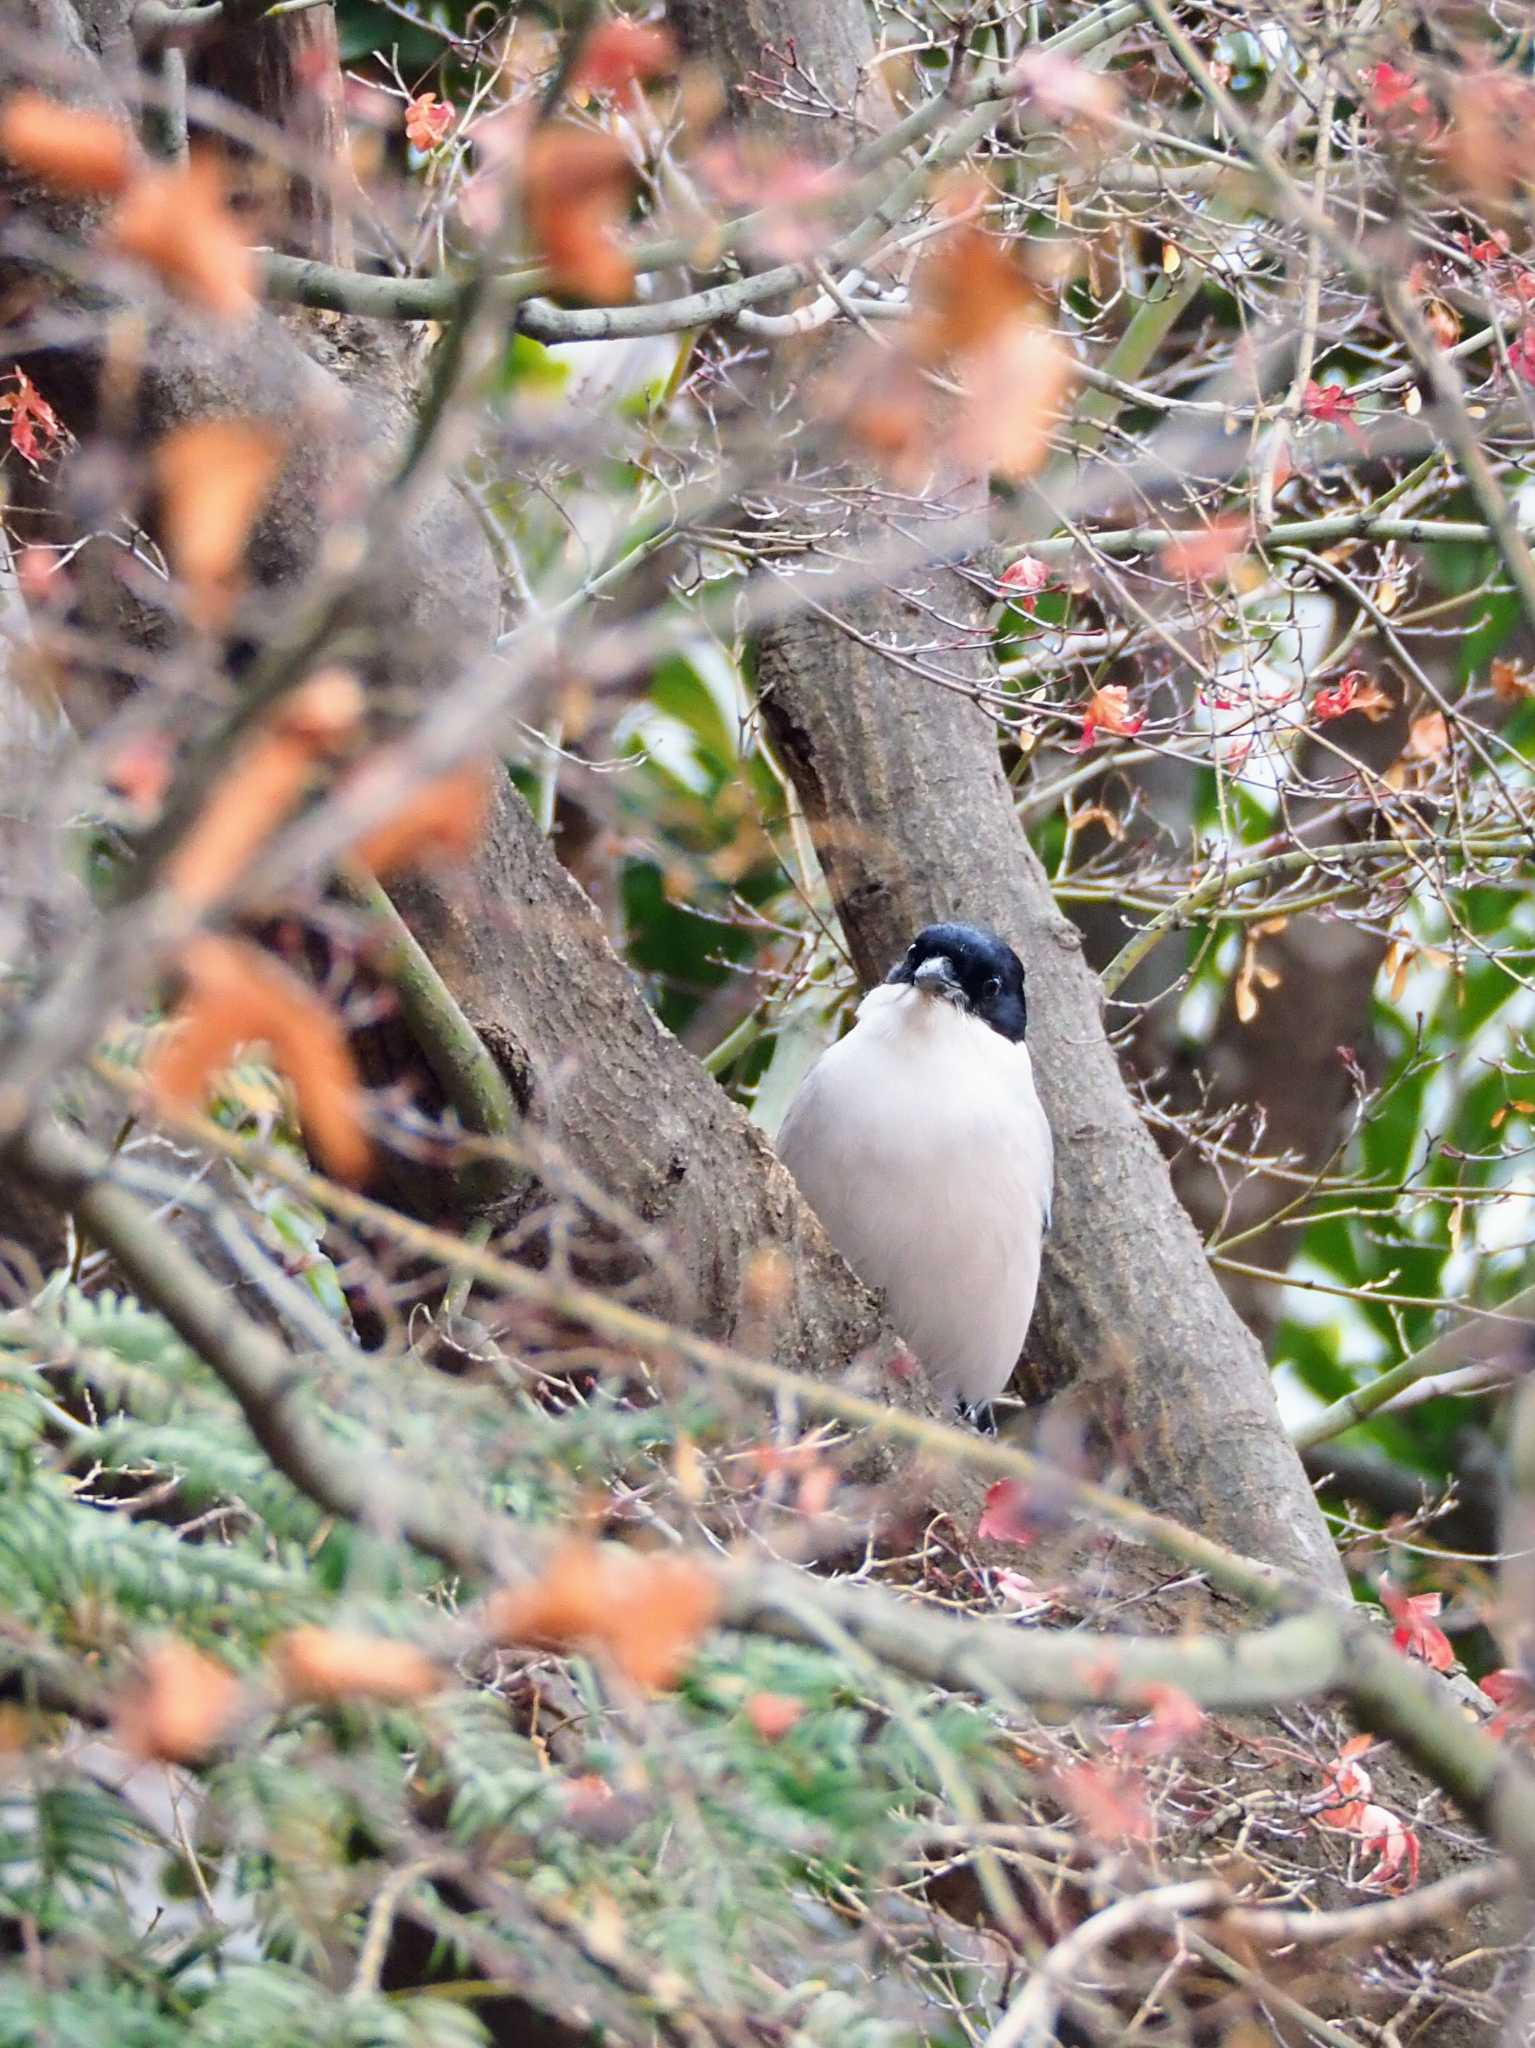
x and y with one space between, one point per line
971 967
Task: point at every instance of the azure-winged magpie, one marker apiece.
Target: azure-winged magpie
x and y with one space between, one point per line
921 1144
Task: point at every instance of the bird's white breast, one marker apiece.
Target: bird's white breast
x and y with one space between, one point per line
921 1144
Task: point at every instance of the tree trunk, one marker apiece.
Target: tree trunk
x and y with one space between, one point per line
903 786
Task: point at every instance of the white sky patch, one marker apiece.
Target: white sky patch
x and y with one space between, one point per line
1198 1011
1257 688
1505 1226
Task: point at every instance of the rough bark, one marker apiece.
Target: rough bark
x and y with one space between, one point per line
905 792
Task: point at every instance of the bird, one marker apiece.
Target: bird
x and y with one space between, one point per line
920 1142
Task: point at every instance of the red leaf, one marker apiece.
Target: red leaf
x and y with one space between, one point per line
1023 580
1203 553
1174 1719
1108 710
1515 1694
1392 90
1333 403
1353 692
1395 1847
35 429
1416 1634
1346 1786
1506 1686
1490 251
1005 1517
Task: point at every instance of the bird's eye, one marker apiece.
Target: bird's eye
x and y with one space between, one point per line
993 988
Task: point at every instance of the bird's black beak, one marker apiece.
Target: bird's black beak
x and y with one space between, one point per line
936 977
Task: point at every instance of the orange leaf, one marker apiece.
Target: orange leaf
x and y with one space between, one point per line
261 788
1428 736
443 822
320 1665
645 1612
180 1706
621 53
773 1714
576 184
1442 322
322 713
978 308
1015 386
213 478
1108 1799
1201 554
1510 684
427 121
969 289
66 147
236 994
140 771
1346 1786
176 219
